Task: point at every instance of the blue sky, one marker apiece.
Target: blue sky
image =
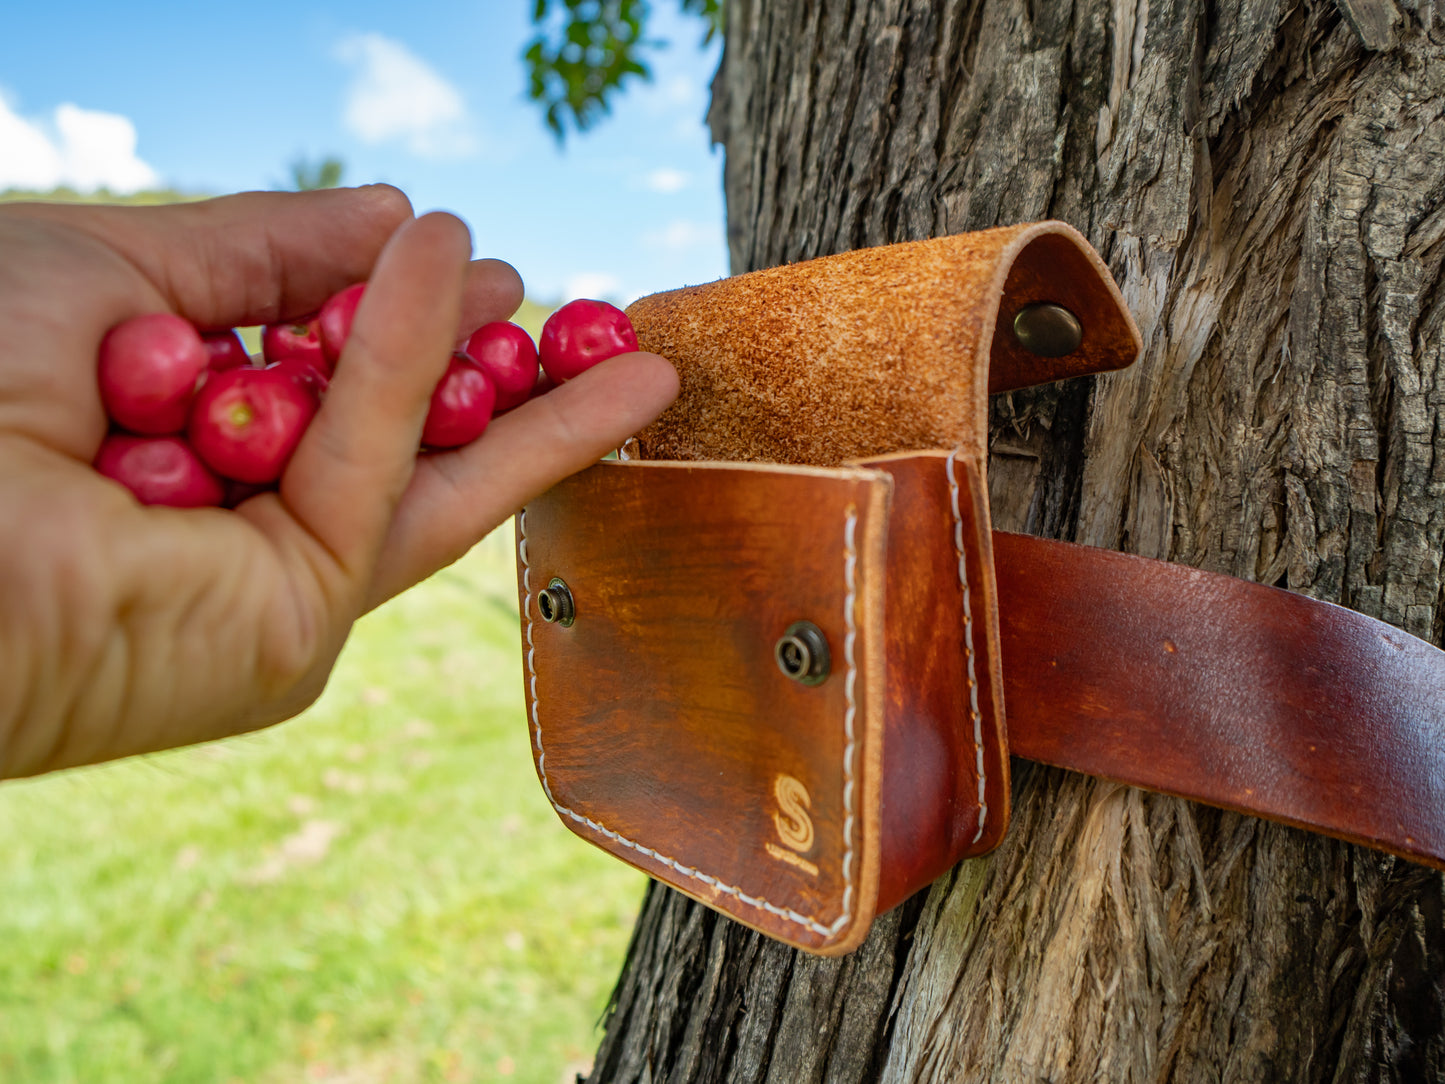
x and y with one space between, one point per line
427 95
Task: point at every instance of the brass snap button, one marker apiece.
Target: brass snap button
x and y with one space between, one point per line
554 603
1047 330
802 653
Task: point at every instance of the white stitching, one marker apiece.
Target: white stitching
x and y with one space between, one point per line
850 566
787 913
968 646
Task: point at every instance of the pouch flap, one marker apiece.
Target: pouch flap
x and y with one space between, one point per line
877 350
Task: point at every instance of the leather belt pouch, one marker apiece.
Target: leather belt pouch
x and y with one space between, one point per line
767 662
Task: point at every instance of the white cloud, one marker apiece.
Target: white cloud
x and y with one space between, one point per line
397 96
81 148
681 234
666 181
679 92
597 285
678 102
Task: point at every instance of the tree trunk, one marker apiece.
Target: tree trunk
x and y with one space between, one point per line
1266 179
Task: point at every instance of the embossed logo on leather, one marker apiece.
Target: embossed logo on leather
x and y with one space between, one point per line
794 825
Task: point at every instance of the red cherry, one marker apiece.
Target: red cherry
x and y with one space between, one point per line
247 422
580 334
224 350
335 320
297 339
148 371
461 405
506 353
159 470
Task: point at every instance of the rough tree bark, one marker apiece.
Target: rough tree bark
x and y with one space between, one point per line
1267 180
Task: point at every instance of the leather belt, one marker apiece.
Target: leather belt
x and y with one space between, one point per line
1231 693
781 687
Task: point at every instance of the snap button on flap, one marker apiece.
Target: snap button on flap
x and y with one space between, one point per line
1047 330
802 653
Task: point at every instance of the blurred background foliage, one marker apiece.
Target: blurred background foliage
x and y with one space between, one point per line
585 52
308 175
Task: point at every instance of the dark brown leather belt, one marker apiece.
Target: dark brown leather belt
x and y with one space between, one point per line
1227 692
781 688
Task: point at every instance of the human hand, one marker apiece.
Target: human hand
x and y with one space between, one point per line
127 629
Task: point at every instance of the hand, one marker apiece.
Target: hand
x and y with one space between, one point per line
126 629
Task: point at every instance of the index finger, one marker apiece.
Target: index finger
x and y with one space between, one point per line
253 258
354 461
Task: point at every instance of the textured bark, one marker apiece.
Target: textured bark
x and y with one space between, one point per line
1267 180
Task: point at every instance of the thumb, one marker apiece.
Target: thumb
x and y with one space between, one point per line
456 498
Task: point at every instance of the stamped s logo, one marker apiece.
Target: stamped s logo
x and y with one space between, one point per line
793 823
795 827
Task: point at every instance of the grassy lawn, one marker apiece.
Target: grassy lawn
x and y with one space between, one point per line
376 891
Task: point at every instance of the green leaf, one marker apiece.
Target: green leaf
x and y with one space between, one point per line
711 12
579 32
586 53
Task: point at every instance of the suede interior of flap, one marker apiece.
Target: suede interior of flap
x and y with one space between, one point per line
874 351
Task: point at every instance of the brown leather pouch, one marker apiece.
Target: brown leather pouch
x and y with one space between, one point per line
779 686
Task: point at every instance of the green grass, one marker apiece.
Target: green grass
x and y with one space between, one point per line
533 314
376 891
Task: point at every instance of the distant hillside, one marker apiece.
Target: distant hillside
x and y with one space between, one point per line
70 195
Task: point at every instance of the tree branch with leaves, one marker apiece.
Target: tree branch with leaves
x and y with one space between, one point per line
586 51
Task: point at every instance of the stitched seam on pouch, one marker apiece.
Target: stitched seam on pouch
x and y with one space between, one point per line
786 913
968 646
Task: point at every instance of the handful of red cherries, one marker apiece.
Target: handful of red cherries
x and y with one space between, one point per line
197 422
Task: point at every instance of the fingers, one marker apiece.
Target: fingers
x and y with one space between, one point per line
254 258
357 456
456 498
493 292
262 257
